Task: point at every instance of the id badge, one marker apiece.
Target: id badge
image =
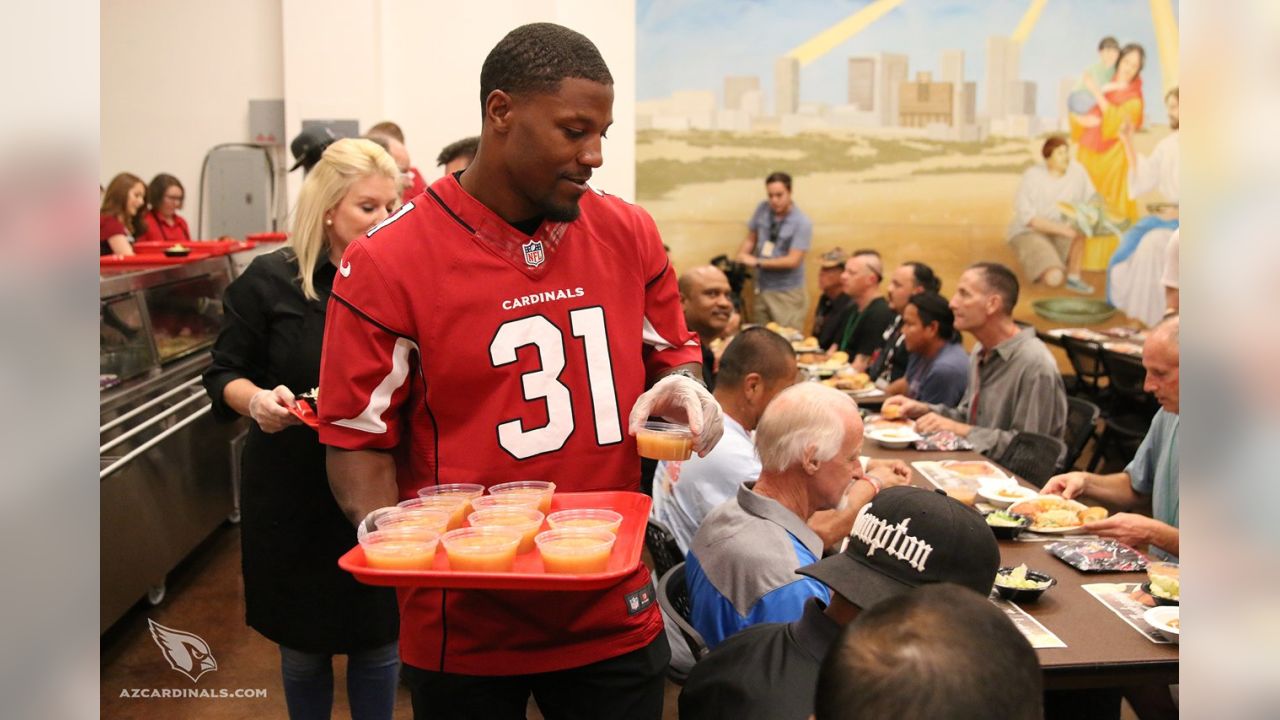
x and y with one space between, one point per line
768 249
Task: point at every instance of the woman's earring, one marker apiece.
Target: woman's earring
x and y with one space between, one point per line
328 221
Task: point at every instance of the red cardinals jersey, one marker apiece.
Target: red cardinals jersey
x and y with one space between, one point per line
479 354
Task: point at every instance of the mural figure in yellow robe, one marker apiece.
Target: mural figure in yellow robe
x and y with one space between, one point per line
1097 134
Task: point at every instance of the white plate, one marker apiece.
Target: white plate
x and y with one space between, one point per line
989 491
1056 530
894 439
993 472
1159 617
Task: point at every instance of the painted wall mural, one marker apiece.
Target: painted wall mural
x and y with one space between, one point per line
920 128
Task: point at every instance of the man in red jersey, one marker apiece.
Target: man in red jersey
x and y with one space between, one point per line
504 326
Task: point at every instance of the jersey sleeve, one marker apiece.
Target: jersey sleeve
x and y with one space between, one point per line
667 339
366 360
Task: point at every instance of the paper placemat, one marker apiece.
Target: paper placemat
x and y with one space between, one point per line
1038 635
1129 602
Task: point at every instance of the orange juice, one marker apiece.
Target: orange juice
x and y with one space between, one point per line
524 520
575 551
426 518
400 550
593 519
966 495
528 488
505 500
481 549
467 491
664 441
455 505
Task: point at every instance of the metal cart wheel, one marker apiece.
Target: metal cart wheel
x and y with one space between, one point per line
155 595
234 517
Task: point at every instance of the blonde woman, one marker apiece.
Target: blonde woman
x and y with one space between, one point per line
292 531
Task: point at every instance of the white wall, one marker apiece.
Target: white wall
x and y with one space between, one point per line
177 77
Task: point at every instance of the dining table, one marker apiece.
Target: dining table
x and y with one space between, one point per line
1103 654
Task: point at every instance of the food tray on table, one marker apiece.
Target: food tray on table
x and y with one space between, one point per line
528 573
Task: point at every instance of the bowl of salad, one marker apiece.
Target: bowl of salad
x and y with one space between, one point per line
1162 583
1019 584
1006 525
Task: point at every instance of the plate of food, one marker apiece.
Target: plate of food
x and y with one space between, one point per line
975 470
1166 619
1002 495
1056 515
850 382
1162 583
892 434
809 344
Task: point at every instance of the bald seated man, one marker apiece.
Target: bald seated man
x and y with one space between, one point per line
704 295
1151 479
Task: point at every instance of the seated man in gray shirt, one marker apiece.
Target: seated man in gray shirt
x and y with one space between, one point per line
1014 383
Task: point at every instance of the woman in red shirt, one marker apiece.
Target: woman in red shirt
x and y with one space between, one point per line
120 218
165 195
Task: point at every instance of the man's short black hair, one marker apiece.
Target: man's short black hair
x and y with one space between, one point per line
781 177
936 652
924 276
466 147
535 58
1002 281
932 308
756 350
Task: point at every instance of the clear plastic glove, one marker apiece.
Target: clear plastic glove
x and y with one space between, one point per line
270 409
680 399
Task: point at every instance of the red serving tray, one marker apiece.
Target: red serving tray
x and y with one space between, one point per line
528 573
147 260
267 237
213 247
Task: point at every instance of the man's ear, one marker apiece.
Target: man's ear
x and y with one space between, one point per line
809 460
497 111
752 385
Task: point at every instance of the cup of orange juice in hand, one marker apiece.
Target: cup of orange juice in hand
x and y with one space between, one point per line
481 549
664 441
575 551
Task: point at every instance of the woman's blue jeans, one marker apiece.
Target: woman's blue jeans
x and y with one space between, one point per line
372 677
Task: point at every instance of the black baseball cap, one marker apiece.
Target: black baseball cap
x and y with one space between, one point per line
310 145
907 537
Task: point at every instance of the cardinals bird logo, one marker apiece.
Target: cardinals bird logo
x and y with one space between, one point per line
187 653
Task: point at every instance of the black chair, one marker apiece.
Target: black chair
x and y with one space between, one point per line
673 597
1127 416
1033 456
1086 361
1082 418
662 546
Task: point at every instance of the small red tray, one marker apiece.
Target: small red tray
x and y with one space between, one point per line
213 247
528 573
301 409
267 237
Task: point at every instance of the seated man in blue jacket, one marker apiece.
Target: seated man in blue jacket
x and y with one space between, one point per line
742 562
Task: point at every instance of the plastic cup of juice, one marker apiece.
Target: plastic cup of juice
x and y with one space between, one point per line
429 518
585 518
962 493
400 549
470 491
455 505
525 520
542 490
481 549
575 551
506 500
664 441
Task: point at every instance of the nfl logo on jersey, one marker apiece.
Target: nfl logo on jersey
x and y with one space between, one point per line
533 255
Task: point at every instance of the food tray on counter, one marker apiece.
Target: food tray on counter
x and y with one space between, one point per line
148 260
528 573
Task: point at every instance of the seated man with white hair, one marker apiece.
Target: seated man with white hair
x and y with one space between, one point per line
742 562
